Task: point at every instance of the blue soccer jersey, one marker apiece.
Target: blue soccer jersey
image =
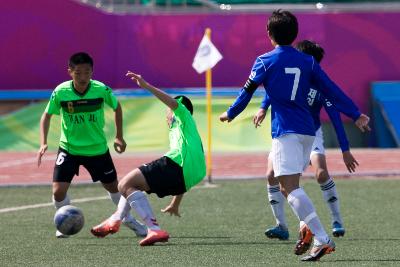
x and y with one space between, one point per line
287 75
316 101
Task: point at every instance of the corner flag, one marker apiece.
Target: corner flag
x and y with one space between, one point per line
207 55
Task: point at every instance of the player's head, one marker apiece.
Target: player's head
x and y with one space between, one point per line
80 68
282 27
186 102
311 48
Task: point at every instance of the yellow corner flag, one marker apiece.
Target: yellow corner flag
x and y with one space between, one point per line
207 55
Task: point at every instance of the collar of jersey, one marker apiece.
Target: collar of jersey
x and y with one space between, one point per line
284 47
78 93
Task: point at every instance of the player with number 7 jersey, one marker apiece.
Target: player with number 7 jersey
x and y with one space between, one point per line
287 75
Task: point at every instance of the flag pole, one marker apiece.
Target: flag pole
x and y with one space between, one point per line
208 90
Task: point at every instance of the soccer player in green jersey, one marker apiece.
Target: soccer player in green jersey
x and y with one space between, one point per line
182 167
80 103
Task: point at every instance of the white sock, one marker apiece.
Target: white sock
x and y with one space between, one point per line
62 203
138 201
304 209
123 207
332 200
277 203
122 210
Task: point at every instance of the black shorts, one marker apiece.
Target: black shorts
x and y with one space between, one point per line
164 177
100 167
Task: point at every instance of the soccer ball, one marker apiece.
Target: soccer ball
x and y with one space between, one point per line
69 220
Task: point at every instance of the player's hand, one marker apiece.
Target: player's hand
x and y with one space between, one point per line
350 162
224 117
362 123
119 145
172 210
40 153
259 117
137 78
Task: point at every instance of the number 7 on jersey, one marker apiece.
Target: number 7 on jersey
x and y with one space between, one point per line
296 72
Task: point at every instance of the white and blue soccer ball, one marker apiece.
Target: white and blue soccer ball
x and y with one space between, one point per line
69 220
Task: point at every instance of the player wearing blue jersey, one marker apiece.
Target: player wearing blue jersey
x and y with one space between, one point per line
287 75
317 158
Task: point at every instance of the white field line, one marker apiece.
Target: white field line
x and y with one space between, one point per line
79 200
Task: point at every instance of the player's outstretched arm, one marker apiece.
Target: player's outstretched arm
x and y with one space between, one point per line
173 207
44 130
119 142
165 98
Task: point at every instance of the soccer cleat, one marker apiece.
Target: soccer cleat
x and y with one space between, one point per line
61 235
338 229
139 229
106 227
154 236
277 232
318 251
304 241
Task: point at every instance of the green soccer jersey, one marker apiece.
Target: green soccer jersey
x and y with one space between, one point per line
82 117
186 148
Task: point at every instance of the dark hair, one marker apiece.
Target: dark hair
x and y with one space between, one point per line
282 27
80 58
311 48
186 102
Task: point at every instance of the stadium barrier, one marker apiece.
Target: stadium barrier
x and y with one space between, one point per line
385 110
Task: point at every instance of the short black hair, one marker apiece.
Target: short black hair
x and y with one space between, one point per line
282 27
311 48
186 102
80 58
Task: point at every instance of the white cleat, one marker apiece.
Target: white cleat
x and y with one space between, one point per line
139 228
61 235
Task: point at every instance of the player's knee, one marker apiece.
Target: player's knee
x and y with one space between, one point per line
322 175
122 187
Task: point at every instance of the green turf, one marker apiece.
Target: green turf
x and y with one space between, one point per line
221 226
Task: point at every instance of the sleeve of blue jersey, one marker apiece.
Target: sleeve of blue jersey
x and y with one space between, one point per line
337 97
266 102
240 104
334 115
257 75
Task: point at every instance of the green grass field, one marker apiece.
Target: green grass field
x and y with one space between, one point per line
221 226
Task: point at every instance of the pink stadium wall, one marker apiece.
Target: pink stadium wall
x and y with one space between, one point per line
38 36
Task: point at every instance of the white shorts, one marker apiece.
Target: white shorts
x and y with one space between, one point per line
290 153
318 145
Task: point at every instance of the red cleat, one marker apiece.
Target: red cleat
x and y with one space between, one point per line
106 227
304 241
154 236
